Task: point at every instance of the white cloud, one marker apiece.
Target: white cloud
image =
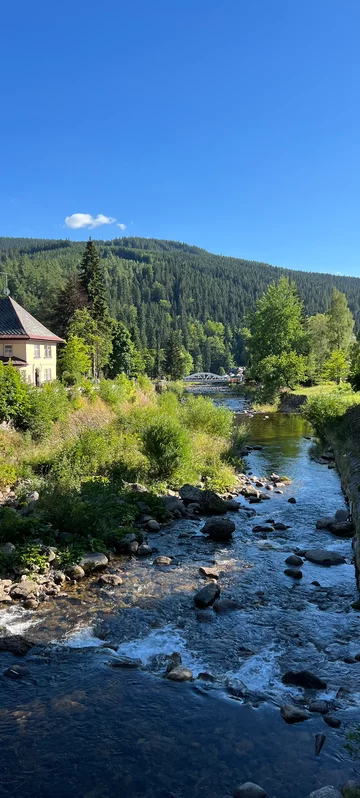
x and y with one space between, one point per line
122 226
78 220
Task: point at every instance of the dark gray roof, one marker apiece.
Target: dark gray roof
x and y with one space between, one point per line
15 322
16 361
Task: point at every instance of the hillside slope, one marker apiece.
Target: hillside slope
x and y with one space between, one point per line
151 283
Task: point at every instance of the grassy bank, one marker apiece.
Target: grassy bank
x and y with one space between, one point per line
81 465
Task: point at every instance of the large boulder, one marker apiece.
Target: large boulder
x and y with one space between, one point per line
220 529
250 491
128 544
325 792
207 595
343 529
292 714
305 679
325 522
75 572
16 644
341 515
23 590
295 560
210 503
93 561
249 790
173 504
324 557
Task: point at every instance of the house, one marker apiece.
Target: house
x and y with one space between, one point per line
27 343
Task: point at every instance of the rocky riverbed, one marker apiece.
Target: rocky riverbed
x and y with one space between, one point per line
255 613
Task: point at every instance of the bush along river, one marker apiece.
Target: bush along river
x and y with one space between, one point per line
270 649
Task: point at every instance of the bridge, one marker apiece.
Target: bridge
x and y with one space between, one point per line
207 376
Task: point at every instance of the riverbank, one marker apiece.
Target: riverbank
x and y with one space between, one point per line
135 727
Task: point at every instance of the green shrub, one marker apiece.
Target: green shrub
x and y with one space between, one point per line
200 414
45 406
7 474
325 409
166 445
14 394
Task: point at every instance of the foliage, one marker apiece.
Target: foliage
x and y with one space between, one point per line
178 362
337 366
199 413
285 370
74 360
92 282
45 407
325 409
166 444
14 394
97 343
123 352
319 345
277 326
340 322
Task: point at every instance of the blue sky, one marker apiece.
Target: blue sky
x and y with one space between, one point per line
230 124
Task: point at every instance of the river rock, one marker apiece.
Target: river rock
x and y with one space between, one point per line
220 529
226 605
249 790
325 522
305 679
136 487
351 789
263 528
8 549
23 590
162 560
292 500
75 572
144 550
319 706
173 661
341 515
15 644
319 743
294 560
232 505
173 504
190 493
209 573
278 491
294 573
349 660
280 527
356 604
180 674
292 714
153 526
31 604
93 561
342 529
210 502
249 491
110 579
331 721
325 792
128 544
124 662
207 595
324 557
16 672
59 577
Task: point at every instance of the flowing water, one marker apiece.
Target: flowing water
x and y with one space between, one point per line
76 726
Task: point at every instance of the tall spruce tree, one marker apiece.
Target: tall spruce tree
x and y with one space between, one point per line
92 281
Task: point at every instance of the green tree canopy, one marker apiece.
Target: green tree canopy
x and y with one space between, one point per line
92 282
341 322
277 326
75 361
337 366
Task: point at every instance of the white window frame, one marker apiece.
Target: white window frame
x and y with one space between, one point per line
47 350
47 375
10 347
37 349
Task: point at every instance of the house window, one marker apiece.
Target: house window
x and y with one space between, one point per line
36 350
47 350
47 375
8 350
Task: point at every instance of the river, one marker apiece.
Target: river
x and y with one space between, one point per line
75 726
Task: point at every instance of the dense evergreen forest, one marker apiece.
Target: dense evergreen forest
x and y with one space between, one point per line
156 286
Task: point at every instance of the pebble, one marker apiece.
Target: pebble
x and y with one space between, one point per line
319 743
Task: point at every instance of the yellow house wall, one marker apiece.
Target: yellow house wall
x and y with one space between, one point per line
26 351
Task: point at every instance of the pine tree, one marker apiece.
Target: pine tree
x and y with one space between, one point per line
92 281
122 357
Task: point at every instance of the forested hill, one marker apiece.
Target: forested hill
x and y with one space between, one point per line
156 284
